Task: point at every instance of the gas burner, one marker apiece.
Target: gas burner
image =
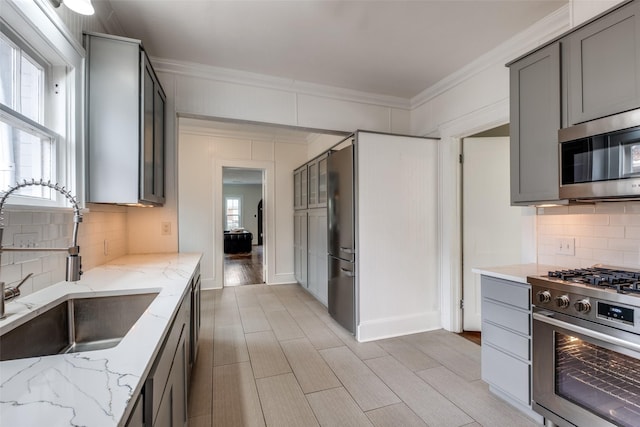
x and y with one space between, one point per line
622 281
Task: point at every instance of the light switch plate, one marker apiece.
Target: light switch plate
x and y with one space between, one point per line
566 246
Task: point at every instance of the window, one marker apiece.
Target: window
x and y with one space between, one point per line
40 104
27 147
233 213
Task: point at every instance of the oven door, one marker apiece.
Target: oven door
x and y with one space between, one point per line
585 374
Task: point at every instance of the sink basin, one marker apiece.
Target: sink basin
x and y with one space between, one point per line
75 325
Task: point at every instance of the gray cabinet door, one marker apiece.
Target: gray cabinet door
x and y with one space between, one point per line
604 66
535 120
300 246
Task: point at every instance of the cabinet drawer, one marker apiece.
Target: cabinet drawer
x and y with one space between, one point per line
506 340
506 291
507 373
508 317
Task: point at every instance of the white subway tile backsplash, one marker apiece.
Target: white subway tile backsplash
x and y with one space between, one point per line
609 232
54 229
605 234
610 208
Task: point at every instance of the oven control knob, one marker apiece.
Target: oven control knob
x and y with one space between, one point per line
563 301
543 297
582 306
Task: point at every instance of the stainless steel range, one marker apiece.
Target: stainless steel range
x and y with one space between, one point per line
586 347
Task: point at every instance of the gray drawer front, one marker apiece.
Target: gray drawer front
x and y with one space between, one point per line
506 340
511 318
506 373
505 291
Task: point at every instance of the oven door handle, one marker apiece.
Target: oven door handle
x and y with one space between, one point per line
586 332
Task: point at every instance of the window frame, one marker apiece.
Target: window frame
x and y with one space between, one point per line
226 216
43 37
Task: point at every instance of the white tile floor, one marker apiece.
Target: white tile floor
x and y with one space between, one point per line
271 355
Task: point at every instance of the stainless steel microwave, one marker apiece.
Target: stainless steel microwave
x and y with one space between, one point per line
600 159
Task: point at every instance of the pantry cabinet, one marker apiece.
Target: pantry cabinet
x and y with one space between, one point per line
125 123
603 65
317 255
318 182
300 247
300 188
535 120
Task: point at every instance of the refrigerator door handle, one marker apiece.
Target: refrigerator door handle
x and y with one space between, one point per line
346 272
347 250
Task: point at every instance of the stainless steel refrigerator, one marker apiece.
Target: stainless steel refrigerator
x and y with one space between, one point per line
341 238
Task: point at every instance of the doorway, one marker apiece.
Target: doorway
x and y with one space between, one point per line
494 233
242 192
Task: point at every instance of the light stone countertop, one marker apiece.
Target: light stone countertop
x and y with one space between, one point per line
516 272
93 388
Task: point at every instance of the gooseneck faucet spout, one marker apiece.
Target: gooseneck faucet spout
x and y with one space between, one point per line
74 266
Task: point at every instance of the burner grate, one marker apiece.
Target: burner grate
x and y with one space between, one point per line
621 281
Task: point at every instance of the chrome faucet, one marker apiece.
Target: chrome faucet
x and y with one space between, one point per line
74 265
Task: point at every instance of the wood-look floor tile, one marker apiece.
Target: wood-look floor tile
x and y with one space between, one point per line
253 319
394 416
310 369
201 421
407 354
200 389
468 347
364 350
270 302
336 408
283 402
451 356
247 297
267 358
229 345
424 400
283 325
235 396
365 387
475 399
317 331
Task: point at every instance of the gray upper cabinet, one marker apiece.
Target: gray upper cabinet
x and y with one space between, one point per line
300 188
603 66
535 120
125 123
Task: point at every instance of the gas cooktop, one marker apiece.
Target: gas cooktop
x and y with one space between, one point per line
622 281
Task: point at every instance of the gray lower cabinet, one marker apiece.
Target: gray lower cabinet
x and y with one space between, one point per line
506 341
603 65
136 419
165 390
535 120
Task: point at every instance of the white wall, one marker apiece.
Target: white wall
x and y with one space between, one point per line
202 155
250 194
396 242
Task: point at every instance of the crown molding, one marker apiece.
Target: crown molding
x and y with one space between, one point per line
228 75
536 35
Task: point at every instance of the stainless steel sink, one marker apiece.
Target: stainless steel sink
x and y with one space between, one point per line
75 325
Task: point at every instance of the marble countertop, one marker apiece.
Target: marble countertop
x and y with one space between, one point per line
516 272
93 388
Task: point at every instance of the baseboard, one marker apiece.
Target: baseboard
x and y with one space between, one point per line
397 326
282 279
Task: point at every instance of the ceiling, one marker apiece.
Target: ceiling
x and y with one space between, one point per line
396 48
